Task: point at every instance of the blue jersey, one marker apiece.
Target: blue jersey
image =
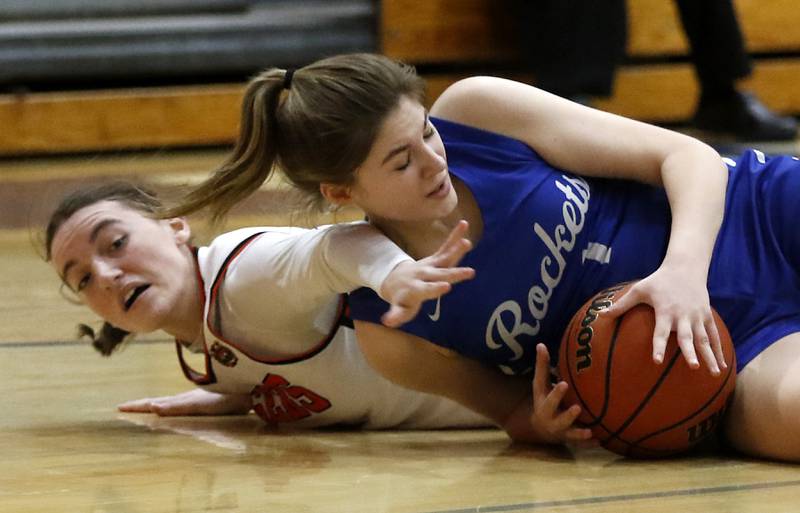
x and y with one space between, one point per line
552 239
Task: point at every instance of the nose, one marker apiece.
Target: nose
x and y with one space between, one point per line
432 162
105 273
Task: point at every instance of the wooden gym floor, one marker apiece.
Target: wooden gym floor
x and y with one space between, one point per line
66 449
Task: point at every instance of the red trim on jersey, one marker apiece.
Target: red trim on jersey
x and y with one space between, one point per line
319 347
209 377
192 375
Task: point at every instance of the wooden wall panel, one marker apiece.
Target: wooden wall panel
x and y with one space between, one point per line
90 120
201 116
767 25
667 93
446 30
480 30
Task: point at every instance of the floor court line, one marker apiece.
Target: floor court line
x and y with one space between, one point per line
530 506
68 343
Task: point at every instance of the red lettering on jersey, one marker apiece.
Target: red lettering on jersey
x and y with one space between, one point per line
276 401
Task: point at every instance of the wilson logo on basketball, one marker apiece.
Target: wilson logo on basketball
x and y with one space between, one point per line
583 353
276 401
705 427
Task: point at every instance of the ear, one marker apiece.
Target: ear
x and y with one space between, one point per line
336 193
180 229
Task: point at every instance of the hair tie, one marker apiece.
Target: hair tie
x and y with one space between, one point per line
287 78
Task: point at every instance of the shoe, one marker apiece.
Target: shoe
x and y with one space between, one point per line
745 117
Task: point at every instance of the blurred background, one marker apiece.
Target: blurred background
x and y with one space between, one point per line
80 76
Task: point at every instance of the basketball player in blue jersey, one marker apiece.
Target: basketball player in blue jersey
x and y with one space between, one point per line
561 201
258 304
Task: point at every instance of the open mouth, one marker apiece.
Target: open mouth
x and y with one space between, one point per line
134 294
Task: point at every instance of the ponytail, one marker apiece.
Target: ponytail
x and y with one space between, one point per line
253 158
318 124
108 340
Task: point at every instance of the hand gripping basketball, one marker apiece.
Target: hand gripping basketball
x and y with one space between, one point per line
634 406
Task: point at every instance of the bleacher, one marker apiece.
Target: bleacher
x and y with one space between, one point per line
193 48
99 75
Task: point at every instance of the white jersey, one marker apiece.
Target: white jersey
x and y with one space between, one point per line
274 313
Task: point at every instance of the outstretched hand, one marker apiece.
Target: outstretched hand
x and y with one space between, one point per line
193 402
412 283
543 420
680 307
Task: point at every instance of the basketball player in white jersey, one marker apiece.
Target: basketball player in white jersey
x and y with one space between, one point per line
265 306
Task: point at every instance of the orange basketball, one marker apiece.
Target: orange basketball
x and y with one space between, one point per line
634 406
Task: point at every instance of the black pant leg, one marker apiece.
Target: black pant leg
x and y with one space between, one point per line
717 46
573 47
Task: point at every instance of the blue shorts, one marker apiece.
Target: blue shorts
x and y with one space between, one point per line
753 280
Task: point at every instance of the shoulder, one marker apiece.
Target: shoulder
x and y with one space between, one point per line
458 99
242 243
484 102
214 255
506 107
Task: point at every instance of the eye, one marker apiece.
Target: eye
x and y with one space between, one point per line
84 282
429 132
406 164
119 242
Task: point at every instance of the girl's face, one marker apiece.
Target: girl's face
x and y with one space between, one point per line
130 269
404 178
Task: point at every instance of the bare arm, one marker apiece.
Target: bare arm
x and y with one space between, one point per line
417 364
594 143
295 273
193 402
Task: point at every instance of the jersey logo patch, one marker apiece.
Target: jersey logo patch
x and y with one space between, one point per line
223 355
597 252
275 400
436 313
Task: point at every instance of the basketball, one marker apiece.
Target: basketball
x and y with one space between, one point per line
634 406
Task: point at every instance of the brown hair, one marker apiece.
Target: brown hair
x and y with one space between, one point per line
319 129
109 337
